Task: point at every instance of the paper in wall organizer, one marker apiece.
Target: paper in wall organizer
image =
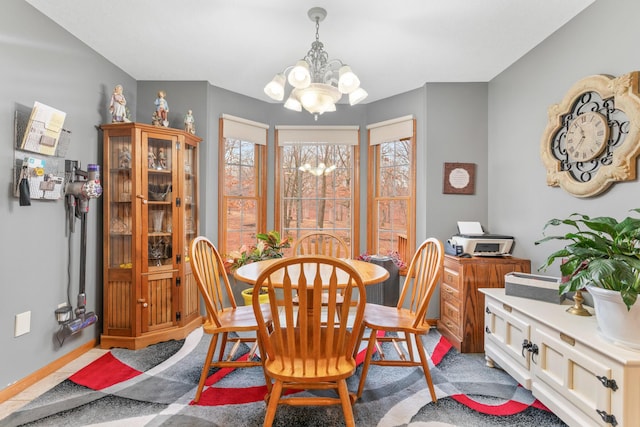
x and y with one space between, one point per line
43 129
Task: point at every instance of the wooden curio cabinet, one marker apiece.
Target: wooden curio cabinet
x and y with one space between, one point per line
150 182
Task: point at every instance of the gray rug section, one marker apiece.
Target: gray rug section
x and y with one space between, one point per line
165 397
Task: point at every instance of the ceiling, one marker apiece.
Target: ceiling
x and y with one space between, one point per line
239 45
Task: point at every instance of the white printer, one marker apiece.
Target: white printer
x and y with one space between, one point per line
474 241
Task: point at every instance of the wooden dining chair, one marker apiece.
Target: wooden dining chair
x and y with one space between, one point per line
407 323
321 243
224 318
316 352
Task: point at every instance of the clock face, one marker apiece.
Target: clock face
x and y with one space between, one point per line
587 136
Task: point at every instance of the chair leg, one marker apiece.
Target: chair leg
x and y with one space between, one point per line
267 380
207 365
347 409
425 367
274 399
367 361
223 345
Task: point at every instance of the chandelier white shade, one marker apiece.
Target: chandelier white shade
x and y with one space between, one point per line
317 82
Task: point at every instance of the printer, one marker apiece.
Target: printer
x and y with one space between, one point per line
472 239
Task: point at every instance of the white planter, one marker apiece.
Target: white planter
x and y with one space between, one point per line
615 322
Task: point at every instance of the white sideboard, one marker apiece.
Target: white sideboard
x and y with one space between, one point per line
583 378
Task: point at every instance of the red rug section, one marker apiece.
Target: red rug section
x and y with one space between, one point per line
104 372
107 371
440 350
508 408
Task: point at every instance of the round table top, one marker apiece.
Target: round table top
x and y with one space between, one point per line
370 273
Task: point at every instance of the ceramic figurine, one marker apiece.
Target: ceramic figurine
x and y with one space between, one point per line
189 123
162 108
117 107
125 158
162 159
151 159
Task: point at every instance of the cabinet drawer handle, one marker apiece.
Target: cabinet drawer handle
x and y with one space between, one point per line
607 418
448 290
140 196
567 339
143 302
507 307
607 382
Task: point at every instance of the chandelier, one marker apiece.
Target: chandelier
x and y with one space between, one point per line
318 83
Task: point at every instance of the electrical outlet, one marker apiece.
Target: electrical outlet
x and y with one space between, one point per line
23 324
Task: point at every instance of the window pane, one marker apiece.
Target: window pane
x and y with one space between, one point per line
311 198
392 189
395 181
247 181
241 222
241 209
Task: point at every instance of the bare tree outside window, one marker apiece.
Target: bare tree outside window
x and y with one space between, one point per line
391 191
317 198
242 204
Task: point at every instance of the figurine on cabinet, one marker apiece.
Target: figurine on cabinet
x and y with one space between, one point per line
189 123
117 106
125 158
162 108
151 159
162 159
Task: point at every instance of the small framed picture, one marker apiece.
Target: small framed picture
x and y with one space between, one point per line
459 178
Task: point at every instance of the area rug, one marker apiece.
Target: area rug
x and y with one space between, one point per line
155 386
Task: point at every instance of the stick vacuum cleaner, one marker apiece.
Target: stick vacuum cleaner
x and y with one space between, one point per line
81 187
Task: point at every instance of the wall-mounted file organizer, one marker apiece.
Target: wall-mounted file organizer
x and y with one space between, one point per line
39 149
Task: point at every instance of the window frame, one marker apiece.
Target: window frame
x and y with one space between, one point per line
260 197
355 188
407 248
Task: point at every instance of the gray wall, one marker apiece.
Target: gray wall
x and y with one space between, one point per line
41 62
601 40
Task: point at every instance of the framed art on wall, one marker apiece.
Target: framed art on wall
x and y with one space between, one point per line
459 178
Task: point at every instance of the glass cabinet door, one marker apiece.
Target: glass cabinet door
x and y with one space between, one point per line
189 197
120 177
159 202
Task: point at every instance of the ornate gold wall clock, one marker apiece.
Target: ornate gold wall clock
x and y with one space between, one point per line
592 138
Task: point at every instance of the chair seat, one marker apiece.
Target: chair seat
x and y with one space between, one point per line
378 316
329 367
241 318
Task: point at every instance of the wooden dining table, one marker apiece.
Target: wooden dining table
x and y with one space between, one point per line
371 274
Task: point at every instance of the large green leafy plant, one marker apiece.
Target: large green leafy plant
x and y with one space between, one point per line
601 252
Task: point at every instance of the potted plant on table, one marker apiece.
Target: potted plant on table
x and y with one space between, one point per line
269 245
602 256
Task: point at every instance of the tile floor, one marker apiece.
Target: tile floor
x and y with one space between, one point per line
30 393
